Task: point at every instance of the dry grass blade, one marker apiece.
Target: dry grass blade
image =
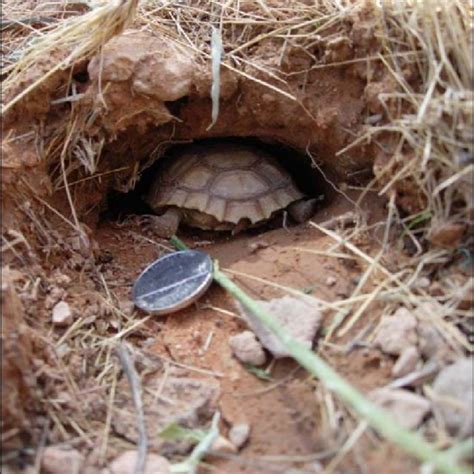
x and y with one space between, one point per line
347 447
77 37
287 289
108 419
438 114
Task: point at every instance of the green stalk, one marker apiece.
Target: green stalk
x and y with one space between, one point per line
377 418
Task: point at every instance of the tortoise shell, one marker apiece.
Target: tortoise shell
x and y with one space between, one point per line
221 185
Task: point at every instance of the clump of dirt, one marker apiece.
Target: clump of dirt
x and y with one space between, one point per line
18 380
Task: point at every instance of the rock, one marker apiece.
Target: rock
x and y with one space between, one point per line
407 362
430 342
223 445
397 332
331 281
156 67
258 245
453 397
447 234
125 464
167 77
55 294
62 314
239 434
171 399
407 408
299 317
247 349
57 460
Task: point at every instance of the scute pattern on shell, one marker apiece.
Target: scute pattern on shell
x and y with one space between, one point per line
226 181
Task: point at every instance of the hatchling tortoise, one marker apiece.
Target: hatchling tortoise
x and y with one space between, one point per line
223 187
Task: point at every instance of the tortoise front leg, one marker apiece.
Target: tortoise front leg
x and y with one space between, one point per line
167 224
302 210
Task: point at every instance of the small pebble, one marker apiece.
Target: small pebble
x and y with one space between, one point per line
259 245
331 281
373 119
396 332
55 294
62 314
126 462
57 460
406 362
247 349
63 398
239 434
223 445
299 317
453 397
407 408
431 344
63 350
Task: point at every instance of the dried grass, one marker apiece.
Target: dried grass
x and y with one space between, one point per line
79 37
429 120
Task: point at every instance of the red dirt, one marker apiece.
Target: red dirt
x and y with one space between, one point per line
285 418
135 105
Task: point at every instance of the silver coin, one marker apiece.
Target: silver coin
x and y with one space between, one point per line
173 282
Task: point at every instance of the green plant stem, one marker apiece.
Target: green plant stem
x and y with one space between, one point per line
377 418
190 465
178 243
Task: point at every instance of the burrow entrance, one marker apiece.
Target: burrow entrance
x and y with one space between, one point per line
311 179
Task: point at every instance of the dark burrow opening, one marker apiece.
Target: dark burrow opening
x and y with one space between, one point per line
312 179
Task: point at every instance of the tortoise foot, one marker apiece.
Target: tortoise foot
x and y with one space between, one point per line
166 225
301 211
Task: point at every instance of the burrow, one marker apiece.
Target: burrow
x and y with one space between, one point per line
101 128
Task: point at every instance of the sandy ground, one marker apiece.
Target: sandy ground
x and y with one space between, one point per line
314 97
284 414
